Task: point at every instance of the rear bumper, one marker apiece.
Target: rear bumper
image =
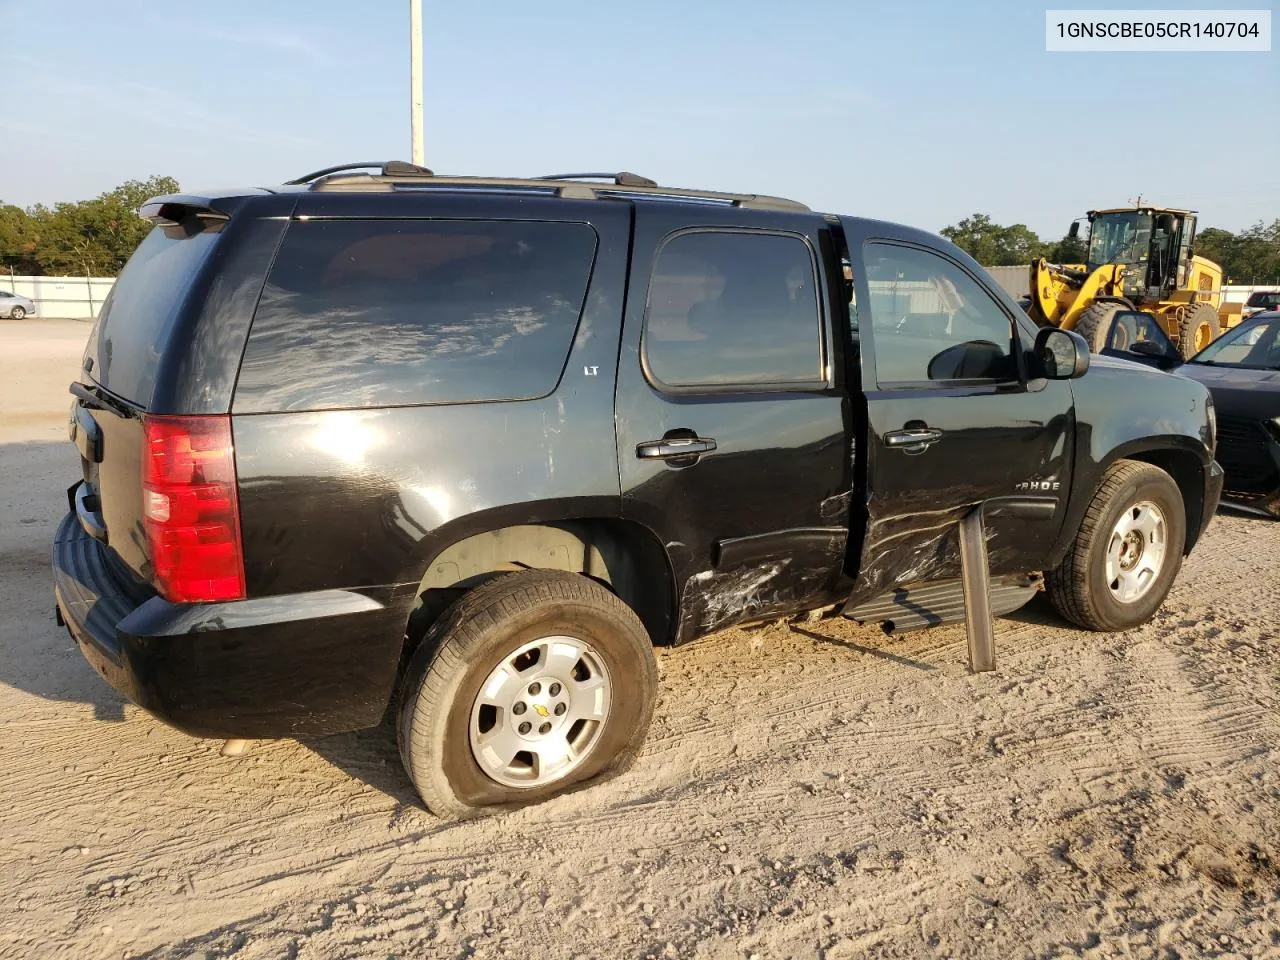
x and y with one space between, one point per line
311 663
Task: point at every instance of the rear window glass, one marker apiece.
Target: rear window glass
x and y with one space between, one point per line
133 324
360 313
733 309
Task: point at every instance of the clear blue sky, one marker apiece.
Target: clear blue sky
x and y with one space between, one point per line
914 110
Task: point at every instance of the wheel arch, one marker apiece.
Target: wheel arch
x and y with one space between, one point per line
1175 455
1188 473
623 555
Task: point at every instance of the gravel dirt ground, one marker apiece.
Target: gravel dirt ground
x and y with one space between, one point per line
808 790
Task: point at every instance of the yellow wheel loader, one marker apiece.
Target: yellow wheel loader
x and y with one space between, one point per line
1139 258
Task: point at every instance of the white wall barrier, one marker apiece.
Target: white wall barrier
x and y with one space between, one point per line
66 298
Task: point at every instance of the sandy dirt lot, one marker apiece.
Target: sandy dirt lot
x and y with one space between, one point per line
808 790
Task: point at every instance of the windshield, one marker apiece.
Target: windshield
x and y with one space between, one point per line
1268 300
1255 345
1119 238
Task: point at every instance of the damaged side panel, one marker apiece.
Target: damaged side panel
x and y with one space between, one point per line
1008 453
791 571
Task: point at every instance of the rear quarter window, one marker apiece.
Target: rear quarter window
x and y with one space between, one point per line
370 313
133 325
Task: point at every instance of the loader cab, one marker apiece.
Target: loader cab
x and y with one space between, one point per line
1153 243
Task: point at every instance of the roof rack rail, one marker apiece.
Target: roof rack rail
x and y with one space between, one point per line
388 168
621 179
395 174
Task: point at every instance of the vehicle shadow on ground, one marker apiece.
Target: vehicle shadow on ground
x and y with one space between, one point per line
1038 612
859 648
370 756
1248 511
37 656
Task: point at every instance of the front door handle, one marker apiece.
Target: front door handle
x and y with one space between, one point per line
674 448
914 439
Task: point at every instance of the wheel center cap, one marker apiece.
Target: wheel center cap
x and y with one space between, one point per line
541 708
1131 549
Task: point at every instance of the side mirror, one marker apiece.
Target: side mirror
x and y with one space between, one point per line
1147 348
1062 354
1139 333
1074 230
974 360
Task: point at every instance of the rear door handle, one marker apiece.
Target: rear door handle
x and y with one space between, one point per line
674 448
914 439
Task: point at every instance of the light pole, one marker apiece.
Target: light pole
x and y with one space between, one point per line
415 81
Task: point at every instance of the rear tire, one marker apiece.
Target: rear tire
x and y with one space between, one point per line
1198 328
501 705
1271 505
1135 521
1094 323
17 313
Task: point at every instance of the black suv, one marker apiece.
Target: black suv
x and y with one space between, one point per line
472 446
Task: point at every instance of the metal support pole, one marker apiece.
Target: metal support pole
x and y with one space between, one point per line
415 82
977 593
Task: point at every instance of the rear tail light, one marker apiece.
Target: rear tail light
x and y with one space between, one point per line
190 507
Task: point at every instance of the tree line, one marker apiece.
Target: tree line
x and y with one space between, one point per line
81 238
1251 256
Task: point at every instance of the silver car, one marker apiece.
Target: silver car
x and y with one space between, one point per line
14 306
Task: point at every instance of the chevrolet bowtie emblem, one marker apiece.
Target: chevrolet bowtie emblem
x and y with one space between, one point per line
542 711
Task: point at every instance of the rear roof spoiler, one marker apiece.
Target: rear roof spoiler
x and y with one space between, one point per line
175 208
206 207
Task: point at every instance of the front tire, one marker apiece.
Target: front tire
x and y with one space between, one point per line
1126 553
1271 505
532 684
17 313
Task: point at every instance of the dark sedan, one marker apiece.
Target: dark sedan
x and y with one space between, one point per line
1242 371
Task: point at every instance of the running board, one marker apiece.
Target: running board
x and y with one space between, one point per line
933 604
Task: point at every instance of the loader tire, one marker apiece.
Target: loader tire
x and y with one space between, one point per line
1094 323
1198 329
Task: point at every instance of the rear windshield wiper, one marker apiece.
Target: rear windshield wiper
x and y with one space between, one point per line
98 401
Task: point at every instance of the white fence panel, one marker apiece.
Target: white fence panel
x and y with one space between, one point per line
64 298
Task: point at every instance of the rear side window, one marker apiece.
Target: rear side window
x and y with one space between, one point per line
365 313
134 322
734 310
